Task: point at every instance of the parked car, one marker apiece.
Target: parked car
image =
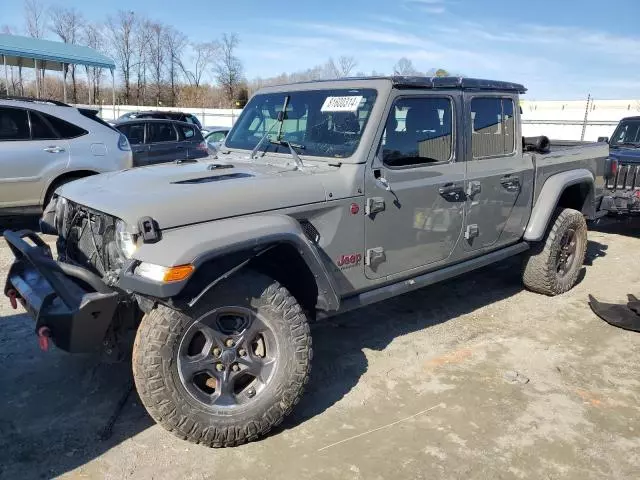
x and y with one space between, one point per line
179 116
45 144
622 196
327 196
159 141
215 138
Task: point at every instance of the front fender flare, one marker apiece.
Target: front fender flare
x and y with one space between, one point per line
548 200
197 244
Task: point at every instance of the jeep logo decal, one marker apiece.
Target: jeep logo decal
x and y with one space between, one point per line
349 260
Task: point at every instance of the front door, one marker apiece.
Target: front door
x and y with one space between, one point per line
414 190
499 178
164 144
29 150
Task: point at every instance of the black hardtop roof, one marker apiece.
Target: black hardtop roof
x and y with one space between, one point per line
635 117
152 120
462 83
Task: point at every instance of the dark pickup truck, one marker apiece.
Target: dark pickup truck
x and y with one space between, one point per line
622 192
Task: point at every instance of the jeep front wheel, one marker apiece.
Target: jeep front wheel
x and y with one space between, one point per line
552 266
229 371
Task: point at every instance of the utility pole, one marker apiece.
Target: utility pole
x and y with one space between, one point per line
586 116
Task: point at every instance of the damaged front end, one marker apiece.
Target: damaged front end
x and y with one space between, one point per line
74 301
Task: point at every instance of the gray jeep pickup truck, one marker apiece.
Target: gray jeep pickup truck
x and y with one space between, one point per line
325 197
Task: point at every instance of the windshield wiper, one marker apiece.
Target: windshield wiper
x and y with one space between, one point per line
291 147
279 121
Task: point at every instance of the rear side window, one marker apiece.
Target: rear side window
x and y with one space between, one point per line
14 124
419 131
162 132
188 132
61 128
493 127
40 128
134 132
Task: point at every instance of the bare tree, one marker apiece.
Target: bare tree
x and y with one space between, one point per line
35 18
174 43
68 24
404 67
92 36
346 65
14 83
330 70
157 56
142 39
228 68
204 55
121 30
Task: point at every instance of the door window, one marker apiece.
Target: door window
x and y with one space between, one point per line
64 129
134 132
14 124
419 131
41 128
493 127
162 132
216 137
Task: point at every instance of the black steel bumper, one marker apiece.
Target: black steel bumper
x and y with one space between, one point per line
74 304
621 202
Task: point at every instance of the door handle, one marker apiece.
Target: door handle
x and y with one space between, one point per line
452 192
54 149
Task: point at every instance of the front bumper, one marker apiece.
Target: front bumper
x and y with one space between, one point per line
74 304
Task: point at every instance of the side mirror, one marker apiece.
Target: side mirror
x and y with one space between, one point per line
603 139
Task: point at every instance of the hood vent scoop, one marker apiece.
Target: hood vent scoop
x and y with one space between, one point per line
214 178
219 166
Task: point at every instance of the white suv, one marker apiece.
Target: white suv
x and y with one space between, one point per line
44 144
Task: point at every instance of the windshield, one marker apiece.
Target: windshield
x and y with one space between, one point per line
323 123
627 133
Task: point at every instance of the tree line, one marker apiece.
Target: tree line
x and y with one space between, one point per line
156 64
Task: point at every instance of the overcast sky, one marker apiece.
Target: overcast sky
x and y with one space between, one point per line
559 49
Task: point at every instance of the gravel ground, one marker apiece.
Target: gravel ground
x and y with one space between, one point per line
475 378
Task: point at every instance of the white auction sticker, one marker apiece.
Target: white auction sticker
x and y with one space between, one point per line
341 104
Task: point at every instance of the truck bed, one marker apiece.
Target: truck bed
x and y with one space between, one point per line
570 155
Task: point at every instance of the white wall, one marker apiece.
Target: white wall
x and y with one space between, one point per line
564 120
209 117
556 119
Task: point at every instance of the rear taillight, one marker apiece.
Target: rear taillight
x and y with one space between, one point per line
612 168
123 143
202 146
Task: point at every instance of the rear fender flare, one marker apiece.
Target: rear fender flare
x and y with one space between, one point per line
549 197
201 243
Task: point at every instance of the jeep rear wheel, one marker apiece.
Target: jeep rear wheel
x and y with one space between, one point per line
228 372
552 266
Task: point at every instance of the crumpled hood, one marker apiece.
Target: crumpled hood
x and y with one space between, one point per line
625 155
182 194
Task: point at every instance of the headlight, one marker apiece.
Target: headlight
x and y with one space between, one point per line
125 241
158 273
58 218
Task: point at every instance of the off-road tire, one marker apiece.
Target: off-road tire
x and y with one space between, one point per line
165 397
540 271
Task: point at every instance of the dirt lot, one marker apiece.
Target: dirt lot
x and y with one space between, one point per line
474 378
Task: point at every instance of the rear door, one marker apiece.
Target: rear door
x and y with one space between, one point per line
135 133
164 144
30 149
193 140
414 192
499 179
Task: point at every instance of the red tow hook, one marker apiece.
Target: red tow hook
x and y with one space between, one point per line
44 334
12 294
